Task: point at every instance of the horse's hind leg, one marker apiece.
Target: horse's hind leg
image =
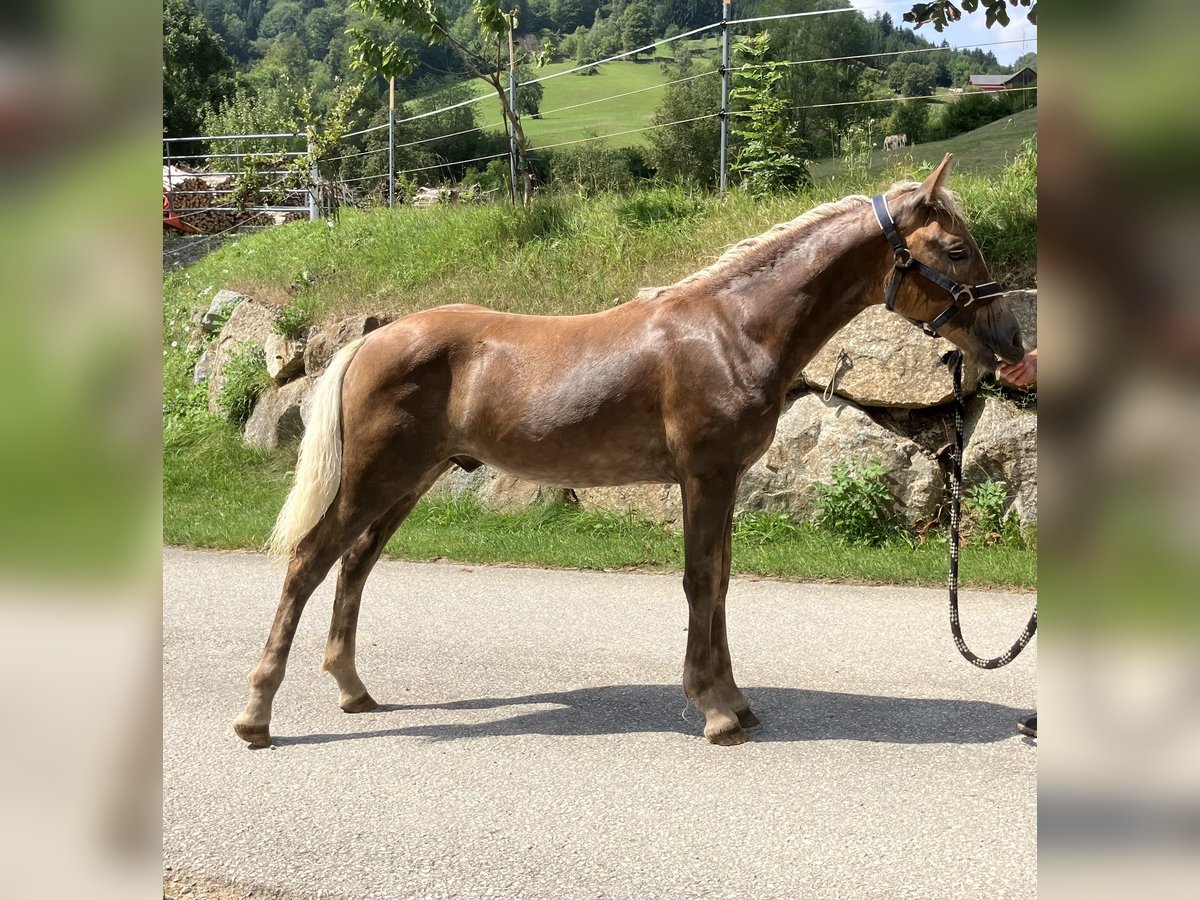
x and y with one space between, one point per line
310 563
357 564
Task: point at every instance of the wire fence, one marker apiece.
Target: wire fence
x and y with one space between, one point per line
302 183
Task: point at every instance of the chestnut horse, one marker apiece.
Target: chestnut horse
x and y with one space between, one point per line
683 384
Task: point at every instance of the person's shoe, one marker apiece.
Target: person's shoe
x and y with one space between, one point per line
1028 726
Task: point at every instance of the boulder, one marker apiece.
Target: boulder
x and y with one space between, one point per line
887 362
325 342
655 502
285 357
496 490
1002 446
250 322
1024 307
219 311
276 416
814 435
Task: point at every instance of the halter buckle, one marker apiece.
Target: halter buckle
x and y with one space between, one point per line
904 257
961 292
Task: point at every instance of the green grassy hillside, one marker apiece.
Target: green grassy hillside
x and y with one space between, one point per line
986 149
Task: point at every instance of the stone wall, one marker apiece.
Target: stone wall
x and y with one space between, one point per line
889 398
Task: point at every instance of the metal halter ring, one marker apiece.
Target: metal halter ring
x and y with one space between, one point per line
904 257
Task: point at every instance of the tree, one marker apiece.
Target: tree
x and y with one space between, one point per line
688 152
911 118
770 157
197 72
484 57
941 13
636 27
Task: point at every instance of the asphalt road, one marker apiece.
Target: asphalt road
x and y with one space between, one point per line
534 741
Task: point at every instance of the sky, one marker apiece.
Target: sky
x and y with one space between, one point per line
967 31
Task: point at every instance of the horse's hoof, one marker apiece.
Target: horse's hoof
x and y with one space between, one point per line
362 704
747 718
254 735
723 729
730 738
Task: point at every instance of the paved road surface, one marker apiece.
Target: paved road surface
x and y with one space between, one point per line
534 743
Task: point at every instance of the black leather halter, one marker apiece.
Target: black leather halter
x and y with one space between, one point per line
961 295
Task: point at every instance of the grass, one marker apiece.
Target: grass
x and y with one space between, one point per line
218 493
984 150
564 255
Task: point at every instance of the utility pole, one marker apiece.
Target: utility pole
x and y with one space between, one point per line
392 142
724 165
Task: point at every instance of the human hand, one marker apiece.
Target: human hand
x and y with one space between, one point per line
1020 374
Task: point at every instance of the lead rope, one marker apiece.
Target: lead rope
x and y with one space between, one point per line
953 359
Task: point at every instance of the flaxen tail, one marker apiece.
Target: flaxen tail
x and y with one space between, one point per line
319 468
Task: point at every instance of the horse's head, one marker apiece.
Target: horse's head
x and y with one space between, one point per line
939 278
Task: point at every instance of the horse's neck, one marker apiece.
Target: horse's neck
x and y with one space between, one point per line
793 307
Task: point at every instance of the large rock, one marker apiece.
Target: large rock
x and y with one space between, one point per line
276 416
219 311
1024 307
1002 446
325 342
887 362
250 322
814 435
655 502
285 357
496 490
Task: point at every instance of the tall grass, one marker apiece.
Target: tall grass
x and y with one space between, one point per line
564 255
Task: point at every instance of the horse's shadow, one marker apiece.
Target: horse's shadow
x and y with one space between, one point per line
788 714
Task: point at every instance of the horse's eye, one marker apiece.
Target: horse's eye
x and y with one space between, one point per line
958 253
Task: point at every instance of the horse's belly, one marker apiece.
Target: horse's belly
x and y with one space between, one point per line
596 463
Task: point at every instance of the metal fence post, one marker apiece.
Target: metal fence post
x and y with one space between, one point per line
724 170
314 186
170 179
392 143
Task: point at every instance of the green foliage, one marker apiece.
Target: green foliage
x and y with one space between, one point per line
294 320
769 157
760 528
636 26
687 153
246 379
198 75
858 506
944 12
911 118
594 168
660 207
858 142
1003 215
975 109
985 504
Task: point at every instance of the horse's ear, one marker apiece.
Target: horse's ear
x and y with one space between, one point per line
932 185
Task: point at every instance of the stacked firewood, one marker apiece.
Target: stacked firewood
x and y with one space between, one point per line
204 203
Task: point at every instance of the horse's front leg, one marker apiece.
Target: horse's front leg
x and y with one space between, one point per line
707 518
722 662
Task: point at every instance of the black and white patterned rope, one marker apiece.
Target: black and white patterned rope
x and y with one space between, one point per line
953 359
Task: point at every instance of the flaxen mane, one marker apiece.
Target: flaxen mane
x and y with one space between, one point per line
734 260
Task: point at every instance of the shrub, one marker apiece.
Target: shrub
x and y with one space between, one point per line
858 506
245 380
294 319
661 206
592 168
990 518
